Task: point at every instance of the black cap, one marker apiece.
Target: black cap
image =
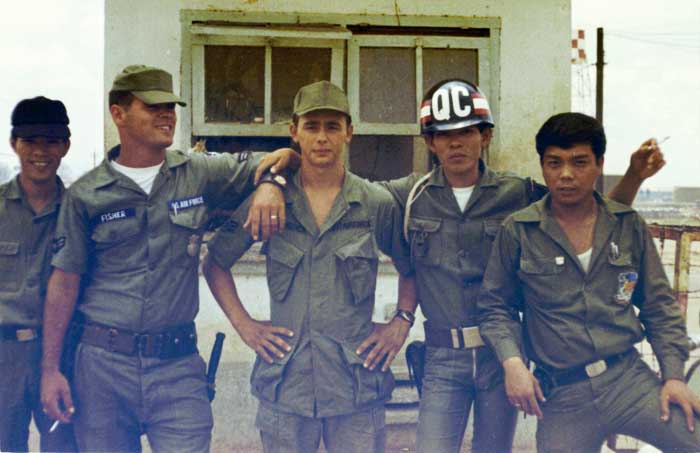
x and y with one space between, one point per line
40 116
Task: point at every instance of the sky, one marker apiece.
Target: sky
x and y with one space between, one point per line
652 75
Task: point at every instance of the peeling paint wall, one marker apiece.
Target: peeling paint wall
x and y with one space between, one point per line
535 79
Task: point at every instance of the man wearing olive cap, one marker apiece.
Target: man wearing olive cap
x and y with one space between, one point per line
127 250
29 206
312 376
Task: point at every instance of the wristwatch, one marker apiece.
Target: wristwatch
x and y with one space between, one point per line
278 180
406 316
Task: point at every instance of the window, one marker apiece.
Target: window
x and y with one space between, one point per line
241 73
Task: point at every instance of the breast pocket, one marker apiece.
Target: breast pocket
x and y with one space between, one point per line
359 262
186 235
283 259
107 235
426 243
10 266
542 277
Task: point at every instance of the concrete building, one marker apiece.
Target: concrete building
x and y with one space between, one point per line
238 63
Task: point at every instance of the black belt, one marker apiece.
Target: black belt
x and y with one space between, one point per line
19 333
455 338
577 374
171 343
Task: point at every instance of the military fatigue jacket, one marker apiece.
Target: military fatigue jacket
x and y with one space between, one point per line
573 317
138 252
450 248
322 283
25 254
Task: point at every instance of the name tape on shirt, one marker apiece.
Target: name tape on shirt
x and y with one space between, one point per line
186 203
113 216
456 101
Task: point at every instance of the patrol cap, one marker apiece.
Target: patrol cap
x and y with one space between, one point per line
321 95
151 85
40 116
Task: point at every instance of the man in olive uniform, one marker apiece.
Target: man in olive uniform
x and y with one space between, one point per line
311 376
585 274
452 216
29 206
127 248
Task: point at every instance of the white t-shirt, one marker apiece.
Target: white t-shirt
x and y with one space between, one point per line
143 176
585 259
462 195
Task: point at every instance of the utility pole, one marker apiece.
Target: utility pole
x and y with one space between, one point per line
600 63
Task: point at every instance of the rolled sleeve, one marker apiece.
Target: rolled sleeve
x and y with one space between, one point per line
500 298
70 243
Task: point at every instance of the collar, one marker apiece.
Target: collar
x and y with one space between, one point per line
487 177
14 191
350 191
105 175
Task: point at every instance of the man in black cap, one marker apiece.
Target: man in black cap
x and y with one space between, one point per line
29 205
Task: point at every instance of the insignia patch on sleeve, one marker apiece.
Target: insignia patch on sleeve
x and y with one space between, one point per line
243 156
58 243
626 282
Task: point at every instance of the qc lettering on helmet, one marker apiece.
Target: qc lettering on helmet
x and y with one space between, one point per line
453 102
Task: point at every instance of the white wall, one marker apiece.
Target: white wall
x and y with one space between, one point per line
534 53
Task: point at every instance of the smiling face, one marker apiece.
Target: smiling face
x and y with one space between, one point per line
459 152
39 157
571 173
322 136
149 126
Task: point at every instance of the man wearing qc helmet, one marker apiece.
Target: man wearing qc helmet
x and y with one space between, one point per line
452 215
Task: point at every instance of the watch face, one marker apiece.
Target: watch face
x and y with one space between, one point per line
281 180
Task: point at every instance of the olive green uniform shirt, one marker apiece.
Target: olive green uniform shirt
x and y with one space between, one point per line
573 317
25 254
322 283
138 252
450 247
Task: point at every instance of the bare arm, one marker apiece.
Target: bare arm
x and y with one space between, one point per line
61 296
260 336
386 340
644 163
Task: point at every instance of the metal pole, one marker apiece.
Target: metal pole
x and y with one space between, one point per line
600 63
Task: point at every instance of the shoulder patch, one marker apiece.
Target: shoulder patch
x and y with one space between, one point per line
243 156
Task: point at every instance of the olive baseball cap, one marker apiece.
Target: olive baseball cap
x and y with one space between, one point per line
151 85
40 116
321 95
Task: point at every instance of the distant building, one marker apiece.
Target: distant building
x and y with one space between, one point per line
686 194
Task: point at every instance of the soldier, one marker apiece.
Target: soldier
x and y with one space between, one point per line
452 215
127 248
311 375
585 274
29 206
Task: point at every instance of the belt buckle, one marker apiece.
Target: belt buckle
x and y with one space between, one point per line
26 334
596 368
472 338
455 338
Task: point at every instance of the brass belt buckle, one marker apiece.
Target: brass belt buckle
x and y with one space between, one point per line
596 368
26 334
471 336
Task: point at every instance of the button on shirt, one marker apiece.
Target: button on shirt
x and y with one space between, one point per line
573 317
138 252
322 283
25 254
450 247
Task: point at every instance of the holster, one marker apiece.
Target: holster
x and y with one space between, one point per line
415 360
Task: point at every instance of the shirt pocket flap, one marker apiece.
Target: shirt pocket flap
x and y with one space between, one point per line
359 262
540 267
283 259
9 247
117 231
191 219
363 249
491 227
284 253
426 225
